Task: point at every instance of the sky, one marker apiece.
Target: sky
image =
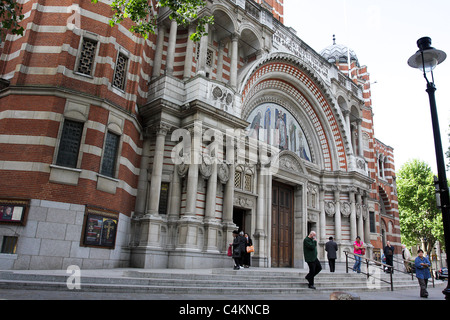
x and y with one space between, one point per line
384 36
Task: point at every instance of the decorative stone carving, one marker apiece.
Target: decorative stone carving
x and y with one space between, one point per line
330 208
182 169
289 161
222 98
345 209
365 212
358 210
223 173
243 201
313 217
206 167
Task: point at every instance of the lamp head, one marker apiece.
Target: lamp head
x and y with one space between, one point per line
427 58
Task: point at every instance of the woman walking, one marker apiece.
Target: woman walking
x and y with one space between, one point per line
422 265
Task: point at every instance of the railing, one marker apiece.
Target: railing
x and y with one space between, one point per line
377 264
368 262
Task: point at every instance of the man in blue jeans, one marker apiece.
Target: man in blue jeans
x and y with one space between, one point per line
310 252
358 246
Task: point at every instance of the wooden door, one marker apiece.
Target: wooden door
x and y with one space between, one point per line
282 225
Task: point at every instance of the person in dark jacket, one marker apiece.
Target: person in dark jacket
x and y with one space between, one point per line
238 249
246 261
331 249
389 254
310 252
422 265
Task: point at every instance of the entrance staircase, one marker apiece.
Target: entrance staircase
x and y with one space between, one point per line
255 281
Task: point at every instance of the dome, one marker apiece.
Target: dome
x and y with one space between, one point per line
339 53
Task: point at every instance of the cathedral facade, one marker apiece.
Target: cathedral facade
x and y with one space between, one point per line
119 151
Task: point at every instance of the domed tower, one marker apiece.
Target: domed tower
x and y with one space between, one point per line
343 57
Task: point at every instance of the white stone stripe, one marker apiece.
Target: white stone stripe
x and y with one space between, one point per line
51 142
52 116
45 168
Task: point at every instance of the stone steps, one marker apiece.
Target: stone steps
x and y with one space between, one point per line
213 281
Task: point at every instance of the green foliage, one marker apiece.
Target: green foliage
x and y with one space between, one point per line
139 11
419 216
10 17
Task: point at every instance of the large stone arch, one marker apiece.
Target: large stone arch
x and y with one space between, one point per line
287 74
224 19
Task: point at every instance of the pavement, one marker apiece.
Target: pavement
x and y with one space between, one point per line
13 294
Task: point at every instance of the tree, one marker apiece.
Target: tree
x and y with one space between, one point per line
420 219
140 12
10 17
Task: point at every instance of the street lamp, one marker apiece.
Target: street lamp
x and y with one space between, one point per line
426 59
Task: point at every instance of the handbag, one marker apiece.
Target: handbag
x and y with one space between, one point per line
363 251
230 253
250 249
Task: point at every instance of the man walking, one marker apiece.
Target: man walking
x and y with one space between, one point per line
331 249
389 254
310 252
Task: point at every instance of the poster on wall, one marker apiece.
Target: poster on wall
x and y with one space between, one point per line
13 211
99 228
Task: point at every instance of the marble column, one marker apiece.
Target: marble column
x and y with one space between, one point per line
360 220
219 73
141 197
337 215
191 191
260 213
228 198
210 222
353 136
158 52
322 217
201 63
155 183
234 60
360 138
349 126
365 215
173 209
353 228
189 54
171 47
151 223
322 221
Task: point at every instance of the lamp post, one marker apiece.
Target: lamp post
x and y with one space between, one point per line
426 59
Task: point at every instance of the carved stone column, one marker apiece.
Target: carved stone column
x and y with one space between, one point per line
159 51
260 235
211 224
360 138
141 198
353 229
337 215
155 182
189 54
360 220
234 60
171 47
201 63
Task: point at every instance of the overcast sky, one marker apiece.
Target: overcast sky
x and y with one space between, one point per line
383 34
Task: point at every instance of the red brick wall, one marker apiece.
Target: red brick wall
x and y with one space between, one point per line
44 59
